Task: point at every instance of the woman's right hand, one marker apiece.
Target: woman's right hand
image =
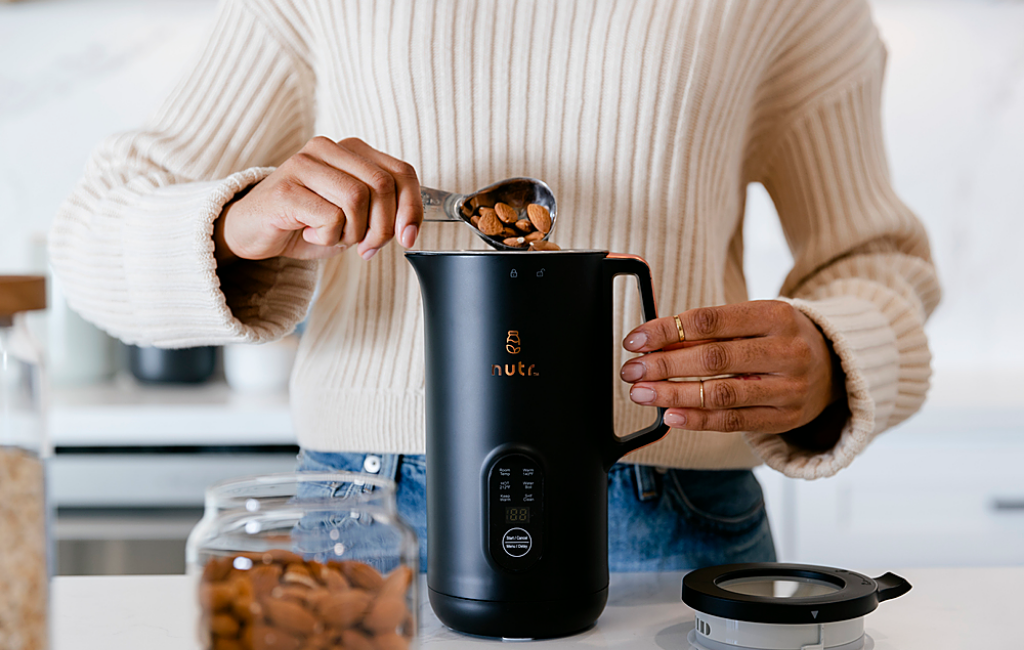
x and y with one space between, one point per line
327 197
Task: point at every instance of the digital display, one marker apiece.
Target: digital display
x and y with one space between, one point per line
517 515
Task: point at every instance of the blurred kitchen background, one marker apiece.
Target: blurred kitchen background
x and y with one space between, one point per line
132 459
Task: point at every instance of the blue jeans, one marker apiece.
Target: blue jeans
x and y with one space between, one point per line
658 520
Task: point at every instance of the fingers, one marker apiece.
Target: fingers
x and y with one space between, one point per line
319 221
742 356
764 419
729 393
375 188
409 215
379 194
741 320
346 225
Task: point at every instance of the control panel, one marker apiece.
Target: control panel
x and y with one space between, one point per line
515 502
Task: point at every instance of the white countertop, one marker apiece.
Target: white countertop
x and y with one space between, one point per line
947 608
126 413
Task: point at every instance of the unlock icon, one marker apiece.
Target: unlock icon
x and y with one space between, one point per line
540 273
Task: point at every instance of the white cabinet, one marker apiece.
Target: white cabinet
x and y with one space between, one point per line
945 489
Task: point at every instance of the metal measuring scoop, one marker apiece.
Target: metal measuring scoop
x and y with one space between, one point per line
439 205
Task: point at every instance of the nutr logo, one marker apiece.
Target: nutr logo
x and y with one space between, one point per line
514 345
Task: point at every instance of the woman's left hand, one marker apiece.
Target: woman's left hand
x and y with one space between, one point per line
782 367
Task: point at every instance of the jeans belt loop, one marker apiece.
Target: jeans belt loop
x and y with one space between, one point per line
389 466
646 483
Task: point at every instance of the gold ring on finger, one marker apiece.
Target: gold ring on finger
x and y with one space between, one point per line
702 393
679 328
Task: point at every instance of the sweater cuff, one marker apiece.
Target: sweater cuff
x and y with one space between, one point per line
172 278
866 345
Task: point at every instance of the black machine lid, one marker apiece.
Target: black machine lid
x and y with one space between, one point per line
767 592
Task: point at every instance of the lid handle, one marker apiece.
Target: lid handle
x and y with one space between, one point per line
891 586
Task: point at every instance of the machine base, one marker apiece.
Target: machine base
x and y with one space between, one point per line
539 619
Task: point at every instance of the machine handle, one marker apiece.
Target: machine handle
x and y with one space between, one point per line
632 265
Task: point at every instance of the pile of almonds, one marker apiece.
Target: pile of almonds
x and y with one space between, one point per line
23 572
279 601
523 228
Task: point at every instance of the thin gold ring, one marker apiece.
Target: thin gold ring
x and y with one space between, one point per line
679 327
702 393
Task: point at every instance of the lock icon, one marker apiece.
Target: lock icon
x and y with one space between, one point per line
513 274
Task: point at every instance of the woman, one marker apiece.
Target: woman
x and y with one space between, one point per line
215 222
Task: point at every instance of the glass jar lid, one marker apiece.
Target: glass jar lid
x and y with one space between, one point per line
20 293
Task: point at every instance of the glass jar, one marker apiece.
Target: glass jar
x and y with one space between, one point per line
304 560
24 516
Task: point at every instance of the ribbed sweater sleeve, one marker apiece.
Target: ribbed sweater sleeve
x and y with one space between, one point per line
133 243
862 267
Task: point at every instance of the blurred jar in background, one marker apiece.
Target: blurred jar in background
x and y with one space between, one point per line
77 352
24 514
262 368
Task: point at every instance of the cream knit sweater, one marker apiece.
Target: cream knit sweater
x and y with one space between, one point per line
648 118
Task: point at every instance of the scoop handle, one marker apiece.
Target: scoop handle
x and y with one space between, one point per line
439 205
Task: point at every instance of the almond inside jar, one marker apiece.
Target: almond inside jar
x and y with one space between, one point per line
280 601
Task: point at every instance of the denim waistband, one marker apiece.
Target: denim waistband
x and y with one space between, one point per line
646 479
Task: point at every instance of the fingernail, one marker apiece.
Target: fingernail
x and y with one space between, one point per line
632 371
641 394
409 235
675 420
370 253
636 341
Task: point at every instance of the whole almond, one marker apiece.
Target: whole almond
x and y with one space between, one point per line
509 231
290 616
539 216
242 608
314 569
489 225
541 245
334 580
320 641
314 596
475 220
220 643
516 242
524 225
294 593
345 609
506 213
391 641
224 625
217 569
355 640
397 582
534 236
362 576
294 576
264 578
217 596
282 556
385 615
265 637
